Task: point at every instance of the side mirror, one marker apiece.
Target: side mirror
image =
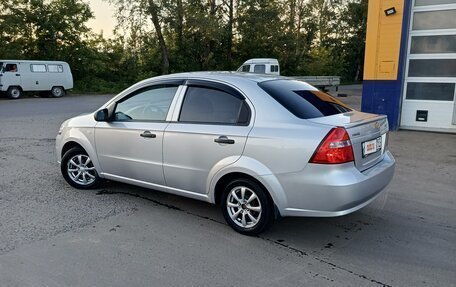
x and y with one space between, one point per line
102 115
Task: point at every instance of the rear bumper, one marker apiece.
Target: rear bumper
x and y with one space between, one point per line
334 190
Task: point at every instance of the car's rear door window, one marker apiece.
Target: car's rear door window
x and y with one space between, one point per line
147 104
213 106
303 100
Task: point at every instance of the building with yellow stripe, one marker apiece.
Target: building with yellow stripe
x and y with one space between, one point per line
410 63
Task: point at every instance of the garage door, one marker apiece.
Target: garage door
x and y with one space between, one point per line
430 83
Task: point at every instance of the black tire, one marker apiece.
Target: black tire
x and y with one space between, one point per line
57 92
14 92
265 218
76 159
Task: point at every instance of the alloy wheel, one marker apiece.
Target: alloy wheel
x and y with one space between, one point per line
244 207
81 170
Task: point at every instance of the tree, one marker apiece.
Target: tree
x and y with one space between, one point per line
259 29
153 10
354 19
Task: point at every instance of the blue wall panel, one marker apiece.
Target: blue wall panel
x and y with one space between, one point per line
383 97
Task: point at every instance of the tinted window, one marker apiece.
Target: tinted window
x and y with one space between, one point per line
260 69
246 68
301 100
430 91
207 105
149 104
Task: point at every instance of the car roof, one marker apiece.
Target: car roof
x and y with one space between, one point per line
224 76
30 61
261 61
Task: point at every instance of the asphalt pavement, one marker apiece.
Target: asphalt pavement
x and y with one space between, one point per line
121 235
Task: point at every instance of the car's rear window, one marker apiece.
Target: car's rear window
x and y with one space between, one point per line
301 100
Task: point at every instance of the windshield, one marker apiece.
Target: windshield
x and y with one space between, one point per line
303 100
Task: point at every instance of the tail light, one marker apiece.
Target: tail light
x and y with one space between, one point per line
335 148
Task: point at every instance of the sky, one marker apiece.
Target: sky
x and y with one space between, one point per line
104 17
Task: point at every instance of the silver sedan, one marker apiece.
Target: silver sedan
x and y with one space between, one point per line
260 146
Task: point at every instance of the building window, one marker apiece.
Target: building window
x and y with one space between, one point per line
433 2
430 91
432 68
444 19
433 44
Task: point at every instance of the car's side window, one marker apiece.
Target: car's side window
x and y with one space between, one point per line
213 106
259 69
11 68
147 104
38 68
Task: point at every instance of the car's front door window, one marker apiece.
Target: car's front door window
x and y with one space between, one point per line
12 68
148 104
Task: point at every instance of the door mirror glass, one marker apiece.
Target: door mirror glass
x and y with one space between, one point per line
102 115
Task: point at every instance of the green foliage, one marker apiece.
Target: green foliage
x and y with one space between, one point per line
309 37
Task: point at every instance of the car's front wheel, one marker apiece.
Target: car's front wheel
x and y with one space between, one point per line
14 93
78 170
246 207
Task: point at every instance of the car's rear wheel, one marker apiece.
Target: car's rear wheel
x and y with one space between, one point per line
246 207
78 170
14 93
57 92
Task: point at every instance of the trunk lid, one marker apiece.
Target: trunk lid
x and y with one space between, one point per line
368 135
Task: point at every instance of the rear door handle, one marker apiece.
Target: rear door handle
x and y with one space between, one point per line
18 74
224 140
148 134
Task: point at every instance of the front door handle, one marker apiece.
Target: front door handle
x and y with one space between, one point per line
18 74
148 134
224 140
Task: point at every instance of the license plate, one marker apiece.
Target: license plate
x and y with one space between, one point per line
372 146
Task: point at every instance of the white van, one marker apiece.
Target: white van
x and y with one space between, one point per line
261 66
17 76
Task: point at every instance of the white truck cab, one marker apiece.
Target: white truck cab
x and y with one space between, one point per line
271 66
261 66
18 76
